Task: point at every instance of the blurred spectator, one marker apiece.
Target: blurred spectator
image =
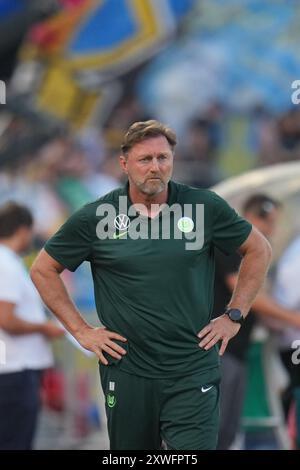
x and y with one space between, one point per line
278 138
263 212
289 134
262 134
197 164
24 333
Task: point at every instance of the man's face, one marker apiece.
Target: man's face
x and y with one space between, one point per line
149 165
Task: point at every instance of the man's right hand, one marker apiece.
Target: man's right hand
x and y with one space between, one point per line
98 340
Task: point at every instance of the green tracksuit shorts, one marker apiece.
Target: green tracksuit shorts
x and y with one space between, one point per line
141 412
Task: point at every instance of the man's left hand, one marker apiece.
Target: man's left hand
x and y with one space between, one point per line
219 329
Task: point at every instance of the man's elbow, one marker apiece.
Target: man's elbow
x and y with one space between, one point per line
264 252
258 247
268 251
37 272
44 268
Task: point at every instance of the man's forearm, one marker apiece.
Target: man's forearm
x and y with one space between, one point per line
253 269
54 294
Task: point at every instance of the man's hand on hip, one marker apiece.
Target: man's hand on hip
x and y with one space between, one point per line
219 329
99 340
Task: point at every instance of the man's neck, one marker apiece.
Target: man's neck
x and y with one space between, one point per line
137 197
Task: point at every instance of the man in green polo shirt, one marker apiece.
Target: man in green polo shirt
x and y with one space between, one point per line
151 248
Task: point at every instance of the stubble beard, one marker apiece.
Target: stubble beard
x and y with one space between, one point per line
152 188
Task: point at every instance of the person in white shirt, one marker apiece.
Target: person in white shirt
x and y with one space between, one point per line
24 333
287 293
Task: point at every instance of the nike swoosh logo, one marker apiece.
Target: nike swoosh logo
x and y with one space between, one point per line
204 390
120 235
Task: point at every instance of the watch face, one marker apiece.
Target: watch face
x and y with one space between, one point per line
235 314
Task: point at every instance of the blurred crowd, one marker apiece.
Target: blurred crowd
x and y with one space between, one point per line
59 172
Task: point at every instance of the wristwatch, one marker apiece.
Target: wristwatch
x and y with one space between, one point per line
235 315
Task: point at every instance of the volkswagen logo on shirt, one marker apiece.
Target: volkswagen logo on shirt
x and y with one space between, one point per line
122 222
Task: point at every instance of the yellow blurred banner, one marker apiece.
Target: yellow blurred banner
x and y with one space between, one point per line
101 39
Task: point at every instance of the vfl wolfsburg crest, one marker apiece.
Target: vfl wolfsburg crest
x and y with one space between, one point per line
185 224
110 400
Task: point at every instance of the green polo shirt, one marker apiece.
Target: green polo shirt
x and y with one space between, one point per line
154 291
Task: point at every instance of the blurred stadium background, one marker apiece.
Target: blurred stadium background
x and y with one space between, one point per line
79 72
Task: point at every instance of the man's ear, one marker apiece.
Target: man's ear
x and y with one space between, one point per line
123 163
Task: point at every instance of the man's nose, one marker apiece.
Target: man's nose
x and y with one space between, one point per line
154 165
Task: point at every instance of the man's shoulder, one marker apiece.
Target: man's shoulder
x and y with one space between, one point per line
188 194
110 198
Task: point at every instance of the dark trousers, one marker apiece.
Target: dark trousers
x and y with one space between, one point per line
233 387
19 407
141 412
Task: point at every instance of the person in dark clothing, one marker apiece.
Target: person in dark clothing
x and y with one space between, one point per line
233 370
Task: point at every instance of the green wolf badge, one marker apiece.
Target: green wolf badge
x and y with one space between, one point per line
110 400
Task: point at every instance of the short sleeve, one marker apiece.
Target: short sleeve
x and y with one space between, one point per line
229 230
10 290
72 243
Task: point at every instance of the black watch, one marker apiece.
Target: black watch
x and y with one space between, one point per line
235 315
